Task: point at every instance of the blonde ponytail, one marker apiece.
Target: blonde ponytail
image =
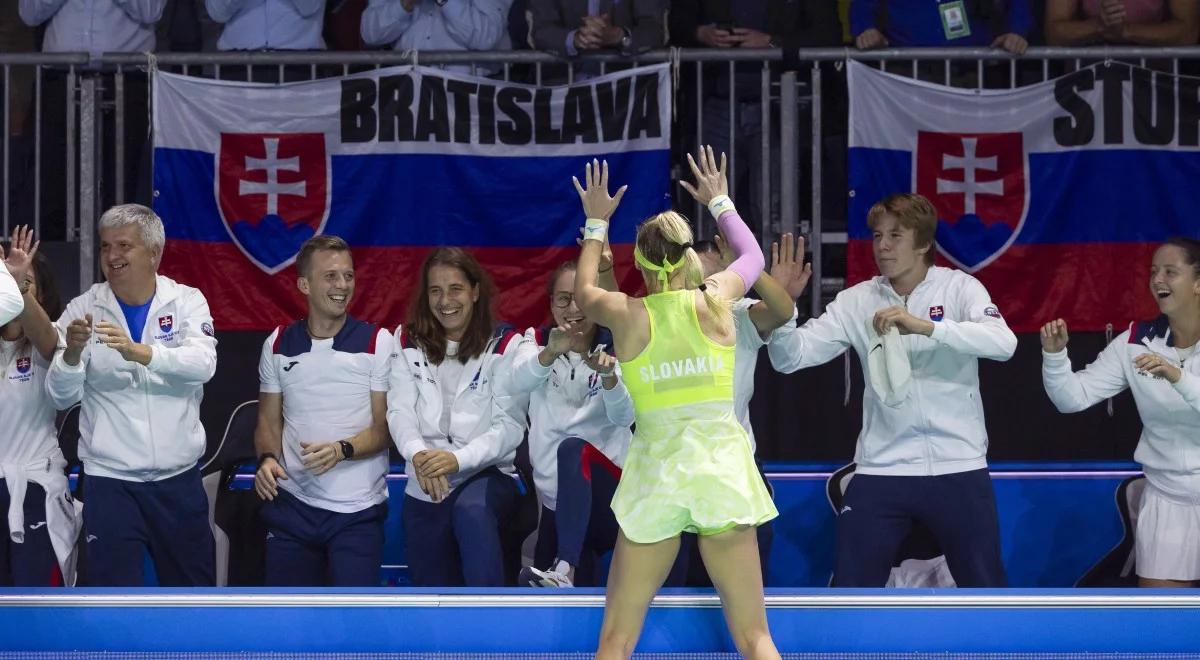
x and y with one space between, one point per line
666 239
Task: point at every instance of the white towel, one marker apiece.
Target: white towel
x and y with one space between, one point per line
888 365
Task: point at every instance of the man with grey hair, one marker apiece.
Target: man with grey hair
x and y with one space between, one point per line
139 349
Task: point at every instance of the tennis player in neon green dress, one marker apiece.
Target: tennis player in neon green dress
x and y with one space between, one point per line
689 466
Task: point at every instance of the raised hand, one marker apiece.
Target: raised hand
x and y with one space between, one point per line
596 201
20 253
787 265
1054 336
710 179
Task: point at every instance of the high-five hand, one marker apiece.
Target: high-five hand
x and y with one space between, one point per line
596 201
710 179
788 267
20 254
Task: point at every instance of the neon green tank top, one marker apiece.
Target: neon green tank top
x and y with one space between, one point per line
680 366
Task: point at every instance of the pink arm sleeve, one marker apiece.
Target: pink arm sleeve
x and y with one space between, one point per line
748 259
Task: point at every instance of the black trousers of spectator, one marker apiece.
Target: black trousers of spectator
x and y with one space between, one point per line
310 547
31 563
122 520
583 528
460 540
879 511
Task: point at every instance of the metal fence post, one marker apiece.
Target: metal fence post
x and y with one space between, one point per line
88 176
817 236
789 207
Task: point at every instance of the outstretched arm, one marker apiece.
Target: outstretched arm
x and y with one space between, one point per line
712 189
608 308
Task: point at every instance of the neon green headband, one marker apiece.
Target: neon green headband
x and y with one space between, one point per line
664 271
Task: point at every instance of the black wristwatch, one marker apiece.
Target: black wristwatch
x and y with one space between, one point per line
347 449
264 456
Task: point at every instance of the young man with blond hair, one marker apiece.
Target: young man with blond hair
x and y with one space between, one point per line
919 331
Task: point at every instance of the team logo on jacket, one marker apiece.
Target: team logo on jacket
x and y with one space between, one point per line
978 184
273 193
937 313
165 323
24 364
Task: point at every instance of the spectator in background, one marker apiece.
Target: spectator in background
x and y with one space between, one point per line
17 37
94 27
255 25
925 23
343 24
438 25
187 28
269 24
1141 22
727 24
518 24
571 27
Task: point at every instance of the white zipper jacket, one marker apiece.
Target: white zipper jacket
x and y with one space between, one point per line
140 423
939 427
487 420
1169 448
568 400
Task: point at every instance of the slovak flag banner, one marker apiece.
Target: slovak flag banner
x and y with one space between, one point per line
1054 195
396 161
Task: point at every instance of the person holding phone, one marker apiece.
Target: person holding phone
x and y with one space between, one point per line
736 128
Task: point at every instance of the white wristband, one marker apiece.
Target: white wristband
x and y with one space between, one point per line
719 205
595 229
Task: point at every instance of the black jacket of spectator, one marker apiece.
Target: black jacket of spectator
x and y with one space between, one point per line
553 20
793 23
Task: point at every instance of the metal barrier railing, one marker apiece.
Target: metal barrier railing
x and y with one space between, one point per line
98 91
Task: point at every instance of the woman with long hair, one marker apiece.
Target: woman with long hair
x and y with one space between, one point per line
455 422
1157 360
40 524
689 467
